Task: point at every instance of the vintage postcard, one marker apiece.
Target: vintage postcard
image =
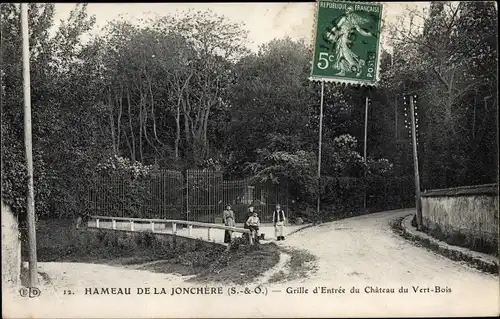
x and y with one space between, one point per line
230 160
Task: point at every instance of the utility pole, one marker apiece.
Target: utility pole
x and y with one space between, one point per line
415 164
187 195
367 101
395 107
319 146
474 116
30 201
396 118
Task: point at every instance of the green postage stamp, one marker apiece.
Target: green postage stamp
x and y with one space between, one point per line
347 42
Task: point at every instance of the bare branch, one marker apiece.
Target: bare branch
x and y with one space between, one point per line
441 78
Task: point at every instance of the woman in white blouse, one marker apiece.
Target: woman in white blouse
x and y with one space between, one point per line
228 218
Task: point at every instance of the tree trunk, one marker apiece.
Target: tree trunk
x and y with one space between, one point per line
180 91
127 141
145 123
112 123
449 103
153 111
186 125
177 130
205 128
119 124
141 157
132 154
187 138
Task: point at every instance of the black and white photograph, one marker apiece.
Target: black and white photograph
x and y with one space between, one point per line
249 159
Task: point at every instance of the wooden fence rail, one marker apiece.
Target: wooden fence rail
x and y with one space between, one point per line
174 223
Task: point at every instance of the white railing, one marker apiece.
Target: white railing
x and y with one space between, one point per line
154 222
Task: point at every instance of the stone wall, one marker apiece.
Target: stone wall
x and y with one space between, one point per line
134 239
11 248
464 216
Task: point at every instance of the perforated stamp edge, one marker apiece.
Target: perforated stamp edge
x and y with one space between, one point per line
340 81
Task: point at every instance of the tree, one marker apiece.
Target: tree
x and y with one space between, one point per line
217 43
13 168
175 79
434 57
61 109
269 103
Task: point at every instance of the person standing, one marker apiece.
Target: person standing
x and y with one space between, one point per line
279 222
228 218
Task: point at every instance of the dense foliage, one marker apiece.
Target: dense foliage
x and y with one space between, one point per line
182 93
451 63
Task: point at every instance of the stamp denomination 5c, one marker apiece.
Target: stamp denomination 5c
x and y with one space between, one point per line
347 44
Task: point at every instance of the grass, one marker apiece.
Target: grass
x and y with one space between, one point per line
60 241
25 277
456 238
421 242
301 263
241 265
456 255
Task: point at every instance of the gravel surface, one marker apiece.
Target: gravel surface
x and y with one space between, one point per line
360 252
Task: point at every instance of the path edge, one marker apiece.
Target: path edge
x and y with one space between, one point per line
301 229
481 261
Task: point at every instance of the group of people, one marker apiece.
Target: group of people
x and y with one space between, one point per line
253 223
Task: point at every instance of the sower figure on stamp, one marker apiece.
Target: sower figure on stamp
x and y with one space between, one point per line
279 222
228 218
342 36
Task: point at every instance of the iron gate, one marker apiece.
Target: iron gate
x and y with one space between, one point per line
195 196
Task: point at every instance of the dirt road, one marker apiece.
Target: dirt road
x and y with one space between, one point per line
359 254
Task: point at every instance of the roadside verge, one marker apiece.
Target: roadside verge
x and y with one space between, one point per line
475 259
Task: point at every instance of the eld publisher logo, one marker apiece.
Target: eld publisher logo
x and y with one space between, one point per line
30 292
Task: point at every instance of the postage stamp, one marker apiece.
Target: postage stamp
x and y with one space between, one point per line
347 44
161 160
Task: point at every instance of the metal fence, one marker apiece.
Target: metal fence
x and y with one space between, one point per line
201 196
196 196
240 194
158 195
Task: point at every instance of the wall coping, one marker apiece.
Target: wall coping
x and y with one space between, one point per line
486 189
154 233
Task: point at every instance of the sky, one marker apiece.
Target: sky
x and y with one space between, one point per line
264 21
